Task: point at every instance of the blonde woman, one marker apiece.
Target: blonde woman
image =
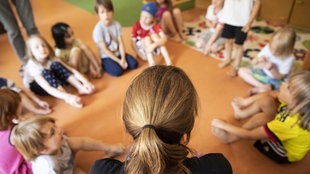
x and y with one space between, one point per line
160 120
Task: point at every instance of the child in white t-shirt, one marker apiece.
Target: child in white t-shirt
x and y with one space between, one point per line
211 41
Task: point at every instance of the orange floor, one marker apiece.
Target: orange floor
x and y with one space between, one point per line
100 118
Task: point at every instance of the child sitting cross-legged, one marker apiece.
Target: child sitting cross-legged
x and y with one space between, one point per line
40 141
147 36
284 135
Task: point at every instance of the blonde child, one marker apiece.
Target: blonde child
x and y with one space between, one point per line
44 144
286 138
108 37
73 52
160 119
43 74
275 60
170 19
147 36
29 100
11 161
210 41
237 16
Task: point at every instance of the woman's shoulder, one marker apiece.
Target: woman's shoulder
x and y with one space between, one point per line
107 166
209 163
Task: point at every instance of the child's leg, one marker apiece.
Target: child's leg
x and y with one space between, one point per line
225 136
239 54
75 78
240 38
132 62
227 53
95 66
246 75
146 42
168 27
264 103
75 57
165 54
112 67
178 22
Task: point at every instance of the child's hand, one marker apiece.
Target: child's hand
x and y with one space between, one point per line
74 101
207 50
43 104
123 64
114 151
151 48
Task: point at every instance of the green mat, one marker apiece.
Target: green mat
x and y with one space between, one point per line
126 12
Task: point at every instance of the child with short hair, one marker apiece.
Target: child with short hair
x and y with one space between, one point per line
108 37
147 37
276 60
11 161
44 144
286 138
170 19
44 75
73 52
237 17
210 41
29 100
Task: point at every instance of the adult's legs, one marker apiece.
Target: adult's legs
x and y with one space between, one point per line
24 11
8 19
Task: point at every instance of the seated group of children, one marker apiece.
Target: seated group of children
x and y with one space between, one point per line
47 71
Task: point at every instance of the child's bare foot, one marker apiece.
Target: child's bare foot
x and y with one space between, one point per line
183 36
115 151
224 63
220 133
217 128
237 110
176 38
233 72
87 88
74 101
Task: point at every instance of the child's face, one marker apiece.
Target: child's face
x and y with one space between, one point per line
54 139
105 16
69 36
285 95
39 49
146 18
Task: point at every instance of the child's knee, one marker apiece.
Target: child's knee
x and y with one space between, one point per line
176 12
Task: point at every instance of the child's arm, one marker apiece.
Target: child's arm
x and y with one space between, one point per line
123 64
110 54
253 15
242 133
58 92
274 71
36 99
89 144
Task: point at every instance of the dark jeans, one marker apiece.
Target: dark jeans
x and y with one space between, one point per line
113 68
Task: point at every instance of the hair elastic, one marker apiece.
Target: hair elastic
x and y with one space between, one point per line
149 126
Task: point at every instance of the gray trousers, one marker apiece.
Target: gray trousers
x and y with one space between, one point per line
8 19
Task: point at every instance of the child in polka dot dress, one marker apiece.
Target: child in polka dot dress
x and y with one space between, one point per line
44 74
